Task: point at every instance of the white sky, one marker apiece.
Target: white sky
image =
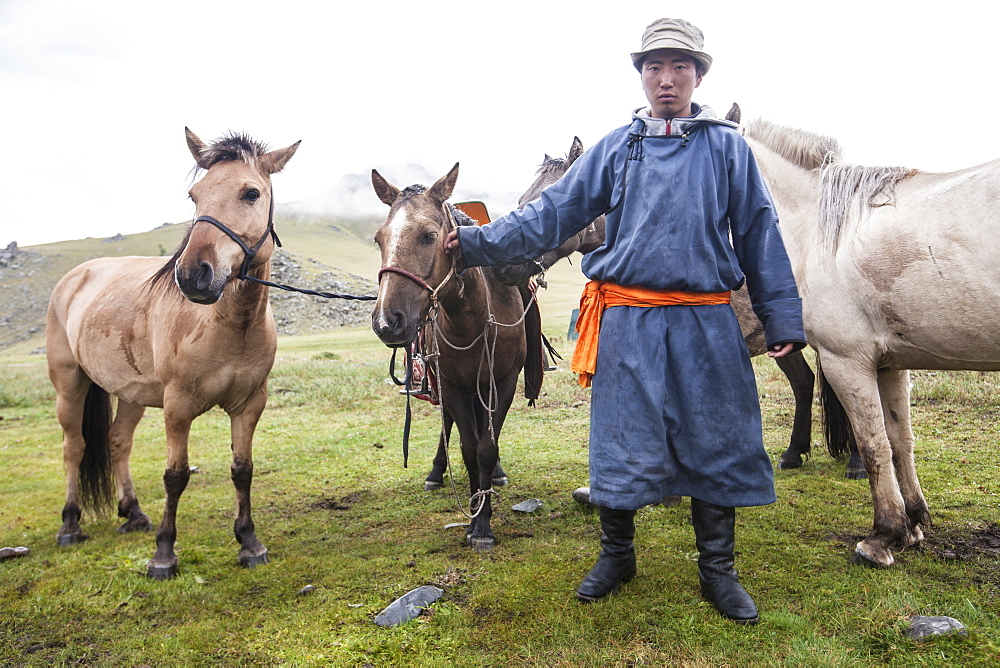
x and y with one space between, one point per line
95 95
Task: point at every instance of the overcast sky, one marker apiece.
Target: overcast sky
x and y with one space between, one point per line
96 95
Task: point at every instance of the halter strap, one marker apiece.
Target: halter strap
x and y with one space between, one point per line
416 279
249 252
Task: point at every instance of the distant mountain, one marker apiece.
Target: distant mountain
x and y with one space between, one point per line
354 197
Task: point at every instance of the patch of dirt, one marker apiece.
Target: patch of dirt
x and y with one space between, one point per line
965 543
978 541
343 503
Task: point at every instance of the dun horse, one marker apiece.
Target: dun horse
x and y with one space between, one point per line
120 326
886 259
794 366
475 323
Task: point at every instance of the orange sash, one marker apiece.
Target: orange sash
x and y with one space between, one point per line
599 295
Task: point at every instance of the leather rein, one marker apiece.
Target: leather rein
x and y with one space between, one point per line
251 252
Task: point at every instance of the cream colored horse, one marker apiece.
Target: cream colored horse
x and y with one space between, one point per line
184 335
897 270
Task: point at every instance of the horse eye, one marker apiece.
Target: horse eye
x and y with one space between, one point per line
252 195
428 238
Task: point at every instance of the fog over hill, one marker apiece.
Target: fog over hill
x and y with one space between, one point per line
353 195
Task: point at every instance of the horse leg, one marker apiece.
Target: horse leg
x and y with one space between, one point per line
121 437
70 395
487 458
856 385
163 565
801 379
894 387
252 552
435 479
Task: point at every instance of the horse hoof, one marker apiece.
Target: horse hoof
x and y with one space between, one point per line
856 474
71 539
430 485
867 558
253 560
500 482
156 572
790 463
482 544
139 524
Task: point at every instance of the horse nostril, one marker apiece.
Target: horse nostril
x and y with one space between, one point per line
205 276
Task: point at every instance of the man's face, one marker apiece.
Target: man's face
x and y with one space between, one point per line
669 78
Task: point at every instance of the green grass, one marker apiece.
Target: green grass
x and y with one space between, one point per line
337 510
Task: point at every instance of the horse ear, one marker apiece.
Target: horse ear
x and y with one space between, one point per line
546 158
445 185
575 151
734 114
195 145
385 190
274 161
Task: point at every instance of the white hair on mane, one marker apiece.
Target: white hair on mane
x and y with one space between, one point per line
840 184
808 150
869 187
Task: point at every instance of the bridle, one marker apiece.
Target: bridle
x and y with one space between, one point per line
249 252
416 279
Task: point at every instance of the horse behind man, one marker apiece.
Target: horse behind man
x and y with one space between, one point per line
473 325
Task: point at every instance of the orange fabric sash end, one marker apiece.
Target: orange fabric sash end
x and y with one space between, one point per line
599 295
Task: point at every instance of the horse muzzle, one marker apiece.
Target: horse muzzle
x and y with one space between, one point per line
394 328
200 282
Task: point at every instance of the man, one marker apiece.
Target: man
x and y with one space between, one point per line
688 220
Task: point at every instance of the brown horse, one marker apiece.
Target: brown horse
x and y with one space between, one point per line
472 324
794 366
120 326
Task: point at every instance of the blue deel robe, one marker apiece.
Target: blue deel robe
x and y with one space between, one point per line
674 407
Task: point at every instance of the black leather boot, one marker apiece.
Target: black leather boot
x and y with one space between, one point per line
616 563
715 536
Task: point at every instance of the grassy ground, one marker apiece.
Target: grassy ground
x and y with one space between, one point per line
337 510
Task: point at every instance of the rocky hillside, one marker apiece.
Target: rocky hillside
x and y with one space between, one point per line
27 278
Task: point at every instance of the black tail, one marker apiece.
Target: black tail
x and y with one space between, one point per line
534 363
836 425
97 485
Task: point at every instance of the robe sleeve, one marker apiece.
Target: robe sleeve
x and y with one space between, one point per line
761 252
562 210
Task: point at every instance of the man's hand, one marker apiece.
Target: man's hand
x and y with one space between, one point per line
780 350
451 242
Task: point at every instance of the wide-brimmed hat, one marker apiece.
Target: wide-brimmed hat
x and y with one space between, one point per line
673 34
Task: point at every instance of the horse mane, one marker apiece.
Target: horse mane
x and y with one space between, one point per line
808 150
232 146
460 217
840 183
163 277
551 165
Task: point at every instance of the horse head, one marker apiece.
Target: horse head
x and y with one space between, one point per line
234 209
414 264
550 171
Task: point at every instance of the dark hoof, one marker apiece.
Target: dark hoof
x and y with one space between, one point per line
430 485
253 560
790 462
161 572
482 544
500 482
138 524
856 474
71 539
